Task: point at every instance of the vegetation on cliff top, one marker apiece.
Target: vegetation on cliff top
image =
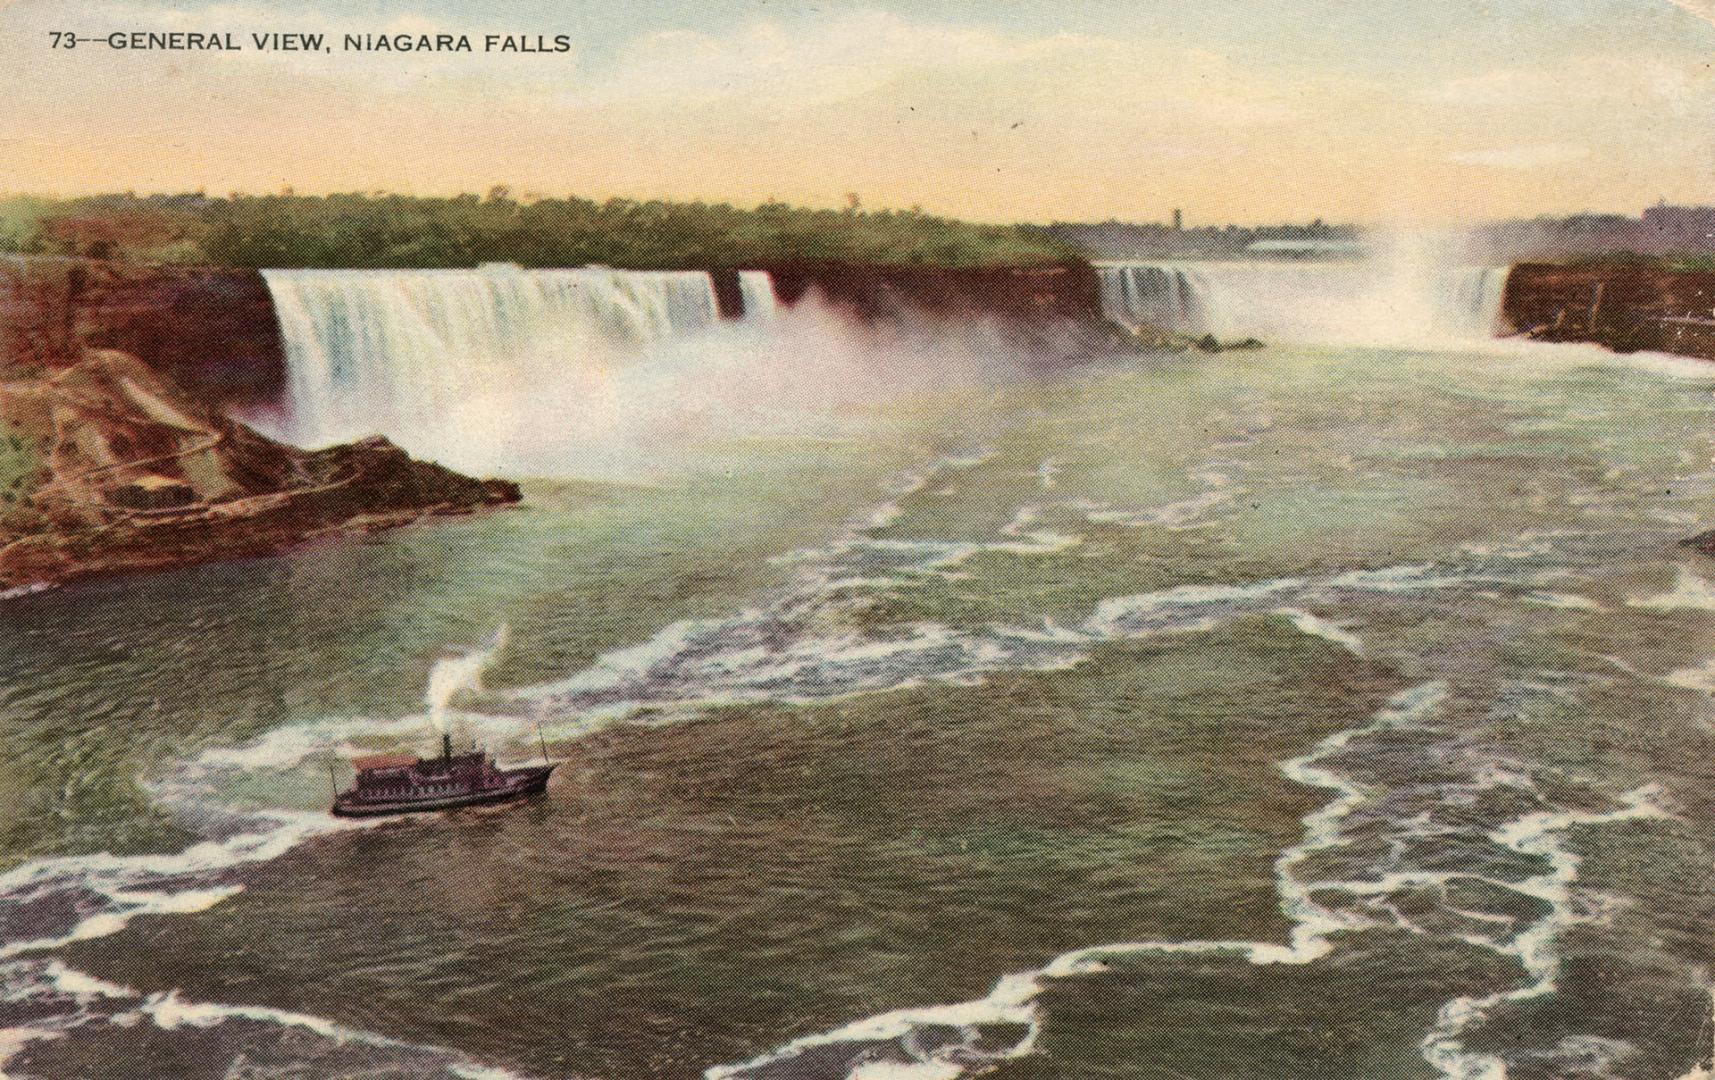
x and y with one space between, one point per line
380 231
1691 262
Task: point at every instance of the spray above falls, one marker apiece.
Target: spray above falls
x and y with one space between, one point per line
592 373
435 359
1378 302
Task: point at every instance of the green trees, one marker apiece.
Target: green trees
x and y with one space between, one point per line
381 230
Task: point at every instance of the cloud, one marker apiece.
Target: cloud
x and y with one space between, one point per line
1538 156
776 64
982 118
1610 80
868 57
1703 9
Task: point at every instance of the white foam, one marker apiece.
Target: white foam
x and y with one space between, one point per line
1022 519
1541 834
1703 1070
1315 927
1112 615
171 1011
195 879
1180 515
1400 579
1529 544
907 1070
1038 542
91 1004
1316 626
13 1040
42 983
83 986
124 880
1013 999
1690 592
1047 474
1700 678
1175 515
1568 601
883 516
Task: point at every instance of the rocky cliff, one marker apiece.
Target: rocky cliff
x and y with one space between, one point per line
106 465
1070 291
209 330
214 332
1624 307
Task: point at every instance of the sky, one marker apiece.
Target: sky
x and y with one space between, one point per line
1239 111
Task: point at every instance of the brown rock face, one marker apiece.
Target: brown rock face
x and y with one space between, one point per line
1070 291
1627 308
106 466
211 331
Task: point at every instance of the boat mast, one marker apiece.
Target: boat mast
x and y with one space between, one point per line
543 743
333 778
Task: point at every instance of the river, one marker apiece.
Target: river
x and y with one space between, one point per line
1331 710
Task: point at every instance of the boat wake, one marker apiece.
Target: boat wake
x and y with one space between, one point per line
46 1000
1411 795
49 904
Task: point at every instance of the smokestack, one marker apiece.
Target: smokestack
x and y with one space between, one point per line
1178 221
447 748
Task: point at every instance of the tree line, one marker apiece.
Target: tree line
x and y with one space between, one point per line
381 230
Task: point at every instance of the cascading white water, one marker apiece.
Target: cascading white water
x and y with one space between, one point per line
756 290
1378 302
415 354
1164 297
595 374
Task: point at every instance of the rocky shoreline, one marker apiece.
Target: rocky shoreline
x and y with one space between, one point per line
117 452
1621 306
107 467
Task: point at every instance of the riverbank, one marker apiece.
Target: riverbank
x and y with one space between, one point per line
1622 306
215 332
107 467
210 330
151 360
1112 665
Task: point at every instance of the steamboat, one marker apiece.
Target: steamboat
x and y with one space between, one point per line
404 783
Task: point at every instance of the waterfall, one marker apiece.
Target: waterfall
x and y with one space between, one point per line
756 290
1161 297
1380 302
1479 295
415 354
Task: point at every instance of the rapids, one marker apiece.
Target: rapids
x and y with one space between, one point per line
1327 711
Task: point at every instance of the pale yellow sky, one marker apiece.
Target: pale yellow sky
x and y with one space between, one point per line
1244 111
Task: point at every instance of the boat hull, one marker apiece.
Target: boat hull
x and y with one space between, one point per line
521 783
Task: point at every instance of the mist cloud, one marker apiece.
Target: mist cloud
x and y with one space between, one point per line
1703 9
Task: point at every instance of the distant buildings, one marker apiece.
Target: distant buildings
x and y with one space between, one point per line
1126 240
1308 248
1681 227
1660 231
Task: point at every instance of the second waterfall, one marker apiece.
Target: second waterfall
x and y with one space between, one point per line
1386 301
